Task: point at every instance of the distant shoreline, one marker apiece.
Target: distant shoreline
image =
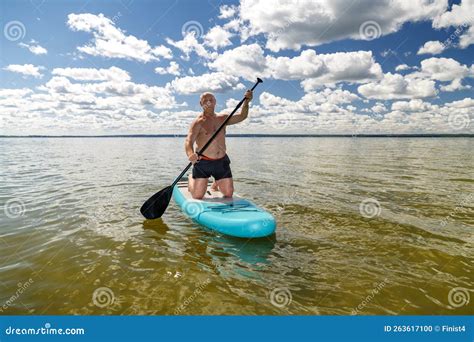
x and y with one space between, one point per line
465 135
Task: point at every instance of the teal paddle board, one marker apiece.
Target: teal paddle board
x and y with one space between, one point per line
234 216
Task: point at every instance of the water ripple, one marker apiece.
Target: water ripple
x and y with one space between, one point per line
80 228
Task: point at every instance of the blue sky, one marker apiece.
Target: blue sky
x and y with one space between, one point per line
80 67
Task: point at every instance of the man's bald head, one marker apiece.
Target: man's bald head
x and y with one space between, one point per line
205 96
207 101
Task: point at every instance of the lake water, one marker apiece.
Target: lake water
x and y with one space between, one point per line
365 226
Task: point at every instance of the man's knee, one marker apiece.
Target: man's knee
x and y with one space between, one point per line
227 191
197 193
197 190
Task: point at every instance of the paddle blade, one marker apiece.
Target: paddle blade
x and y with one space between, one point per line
156 205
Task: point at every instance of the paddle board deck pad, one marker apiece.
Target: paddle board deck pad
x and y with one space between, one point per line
234 216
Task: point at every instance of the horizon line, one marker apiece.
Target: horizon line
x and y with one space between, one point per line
259 135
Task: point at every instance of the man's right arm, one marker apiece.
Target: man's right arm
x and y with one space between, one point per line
190 139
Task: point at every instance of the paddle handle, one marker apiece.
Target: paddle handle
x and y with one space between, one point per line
181 175
201 151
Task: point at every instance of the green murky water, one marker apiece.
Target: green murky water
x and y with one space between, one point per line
365 226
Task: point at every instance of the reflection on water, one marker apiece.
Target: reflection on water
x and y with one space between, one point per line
365 226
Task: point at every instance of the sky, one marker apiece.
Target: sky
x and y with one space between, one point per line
329 67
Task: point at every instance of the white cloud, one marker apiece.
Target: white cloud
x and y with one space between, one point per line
233 25
442 69
218 37
467 38
93 99
113 93
464 103
111 42
34 47
227 11
190 44
414 116
172 69
315 70
404 67
68 105
420 84
333 96
388 52
162 51
91 74
9 93
25 69
432 47
460 16
311 103
292 24
246 61
416 105
215 82
326 69
456 84
307 65
379 108
87 109
396 86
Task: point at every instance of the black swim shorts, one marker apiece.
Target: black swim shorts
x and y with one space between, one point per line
218 169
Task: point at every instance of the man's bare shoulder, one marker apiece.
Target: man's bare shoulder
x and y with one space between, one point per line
196 125
198 121
222 116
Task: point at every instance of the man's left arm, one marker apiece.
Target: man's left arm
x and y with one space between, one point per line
236 118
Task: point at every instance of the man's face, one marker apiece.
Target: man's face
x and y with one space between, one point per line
208 102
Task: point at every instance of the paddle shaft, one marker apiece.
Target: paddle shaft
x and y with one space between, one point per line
201 151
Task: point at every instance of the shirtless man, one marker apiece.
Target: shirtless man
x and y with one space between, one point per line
214 162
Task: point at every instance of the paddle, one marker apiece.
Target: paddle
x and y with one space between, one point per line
156 205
